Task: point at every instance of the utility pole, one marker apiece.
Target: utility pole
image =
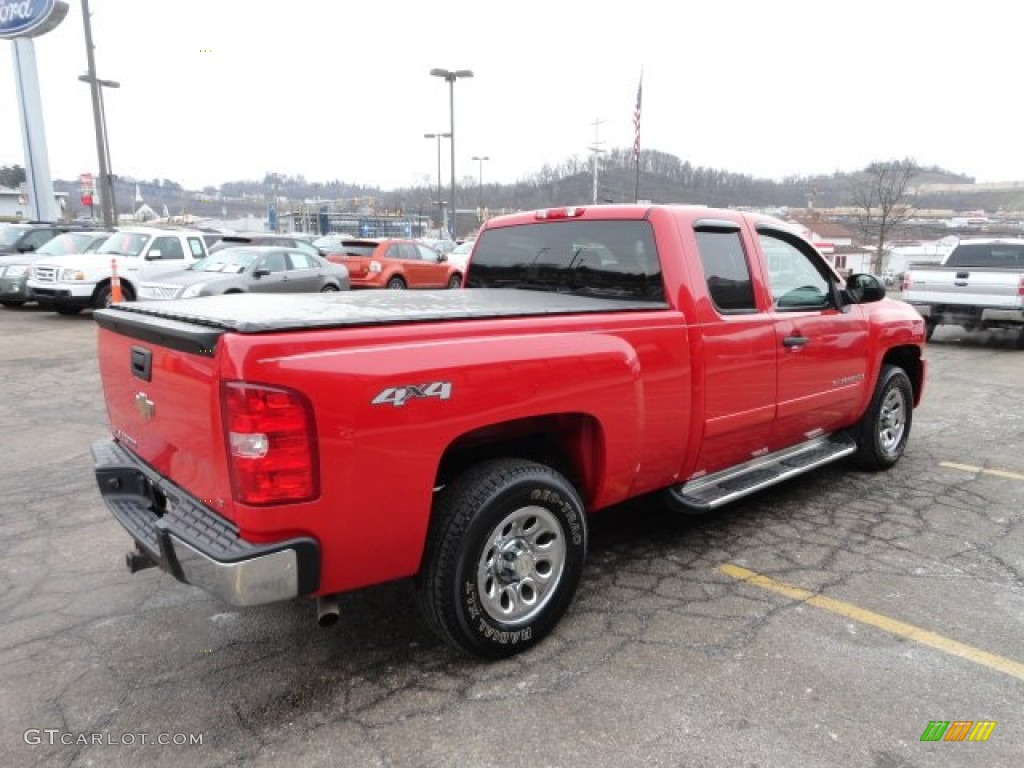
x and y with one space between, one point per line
106 185
595 150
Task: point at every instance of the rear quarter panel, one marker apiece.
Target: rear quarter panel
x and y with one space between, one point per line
379 462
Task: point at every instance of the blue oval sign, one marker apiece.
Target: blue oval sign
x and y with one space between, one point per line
28 18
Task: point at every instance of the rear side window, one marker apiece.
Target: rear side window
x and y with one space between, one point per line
613 259
726 271
1002 255
196 246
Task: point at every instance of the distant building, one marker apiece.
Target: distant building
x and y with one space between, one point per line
14 204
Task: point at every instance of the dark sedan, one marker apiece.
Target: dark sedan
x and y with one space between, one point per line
251 269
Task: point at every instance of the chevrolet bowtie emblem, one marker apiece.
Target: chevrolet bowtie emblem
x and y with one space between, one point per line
144 406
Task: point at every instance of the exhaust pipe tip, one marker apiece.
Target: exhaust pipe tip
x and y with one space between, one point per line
327 610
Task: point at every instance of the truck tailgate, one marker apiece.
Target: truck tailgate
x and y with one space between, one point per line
977 286
163 403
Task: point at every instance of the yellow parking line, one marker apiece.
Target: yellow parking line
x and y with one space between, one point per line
908 631
982 470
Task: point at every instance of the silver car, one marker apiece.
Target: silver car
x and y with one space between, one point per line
252 269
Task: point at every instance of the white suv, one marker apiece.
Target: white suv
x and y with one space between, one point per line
71 283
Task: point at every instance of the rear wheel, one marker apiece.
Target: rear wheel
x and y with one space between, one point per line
396 284
329 288
455 281
103 297
929 328
12 304
504 556
884 429
67 310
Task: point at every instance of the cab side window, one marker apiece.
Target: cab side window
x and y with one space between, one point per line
726 270
795 280
169 248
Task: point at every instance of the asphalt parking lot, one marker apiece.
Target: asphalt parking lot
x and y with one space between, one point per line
823 623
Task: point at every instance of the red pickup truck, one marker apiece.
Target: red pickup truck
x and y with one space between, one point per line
272 447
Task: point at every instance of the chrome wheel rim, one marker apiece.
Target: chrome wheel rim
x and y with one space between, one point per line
521 565
892 420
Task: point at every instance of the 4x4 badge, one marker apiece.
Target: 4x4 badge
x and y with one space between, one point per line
144 406
399 396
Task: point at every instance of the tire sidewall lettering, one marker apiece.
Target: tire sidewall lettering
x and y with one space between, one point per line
473 616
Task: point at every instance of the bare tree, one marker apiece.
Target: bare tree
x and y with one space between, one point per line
881 195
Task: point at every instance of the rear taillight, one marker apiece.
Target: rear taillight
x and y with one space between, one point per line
271 441
1020 286
905 282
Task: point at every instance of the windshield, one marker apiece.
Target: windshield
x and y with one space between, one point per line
613 259
231 260
124 244
10 235
67 243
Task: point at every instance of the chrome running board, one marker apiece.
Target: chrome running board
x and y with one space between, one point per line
704 494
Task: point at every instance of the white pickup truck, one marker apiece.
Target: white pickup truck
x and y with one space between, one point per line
71 283
979 286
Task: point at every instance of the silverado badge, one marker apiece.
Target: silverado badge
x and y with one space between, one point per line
144 406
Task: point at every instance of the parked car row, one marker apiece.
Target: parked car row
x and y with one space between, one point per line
68 268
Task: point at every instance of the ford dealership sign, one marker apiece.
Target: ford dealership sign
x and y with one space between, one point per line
30 18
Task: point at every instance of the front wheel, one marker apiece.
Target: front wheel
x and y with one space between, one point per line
396 284
884 429
329 288
504 556
454 282
12 304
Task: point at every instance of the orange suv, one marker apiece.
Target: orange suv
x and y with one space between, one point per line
394 263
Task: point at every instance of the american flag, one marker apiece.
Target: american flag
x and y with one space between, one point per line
636 117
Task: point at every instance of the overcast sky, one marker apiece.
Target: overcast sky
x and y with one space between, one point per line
222 90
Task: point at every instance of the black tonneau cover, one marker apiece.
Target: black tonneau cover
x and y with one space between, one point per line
193 325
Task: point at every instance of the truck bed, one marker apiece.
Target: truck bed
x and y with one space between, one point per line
193 325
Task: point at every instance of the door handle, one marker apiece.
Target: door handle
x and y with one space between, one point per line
794 341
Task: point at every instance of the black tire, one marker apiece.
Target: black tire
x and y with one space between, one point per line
67 309
454 282
102 298
491 606
396 284
12 304
885 427
329 288
929 328
1020 338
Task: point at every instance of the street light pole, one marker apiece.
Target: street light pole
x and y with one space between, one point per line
480 207
450 76
439 136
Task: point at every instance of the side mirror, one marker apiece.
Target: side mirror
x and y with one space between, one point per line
442 257
260 272
154 254
864 289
